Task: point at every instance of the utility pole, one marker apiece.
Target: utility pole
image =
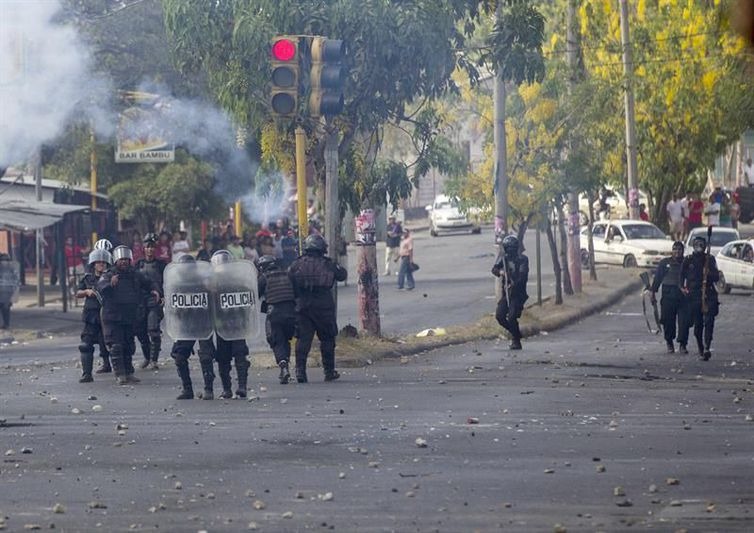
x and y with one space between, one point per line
501 159
37 165
301 192
573 229
93 179
628 71
332 211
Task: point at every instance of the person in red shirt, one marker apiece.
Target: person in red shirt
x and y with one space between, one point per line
72 256
696 209
643 213
164 248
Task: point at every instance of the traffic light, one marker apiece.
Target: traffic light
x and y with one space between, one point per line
285 75
327 76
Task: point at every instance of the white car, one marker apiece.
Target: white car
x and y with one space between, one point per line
630 243
446 217
720 237
736 264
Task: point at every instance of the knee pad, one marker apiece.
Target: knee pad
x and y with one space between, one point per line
86 348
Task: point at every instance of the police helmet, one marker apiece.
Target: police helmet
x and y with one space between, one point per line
103 244
186 258
100 255
315 243
510 245
150 238
122 252
699 243
678 245
221 257
267 262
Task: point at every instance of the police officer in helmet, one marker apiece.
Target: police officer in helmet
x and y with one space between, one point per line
99 261
122 290
313 276
148 328
280 306
512 267
673 306
699 274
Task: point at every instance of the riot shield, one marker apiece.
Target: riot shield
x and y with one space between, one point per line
235 309
9 281
188 301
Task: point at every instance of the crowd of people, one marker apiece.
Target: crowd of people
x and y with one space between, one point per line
686 213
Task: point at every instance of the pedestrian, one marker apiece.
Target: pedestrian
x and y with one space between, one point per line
735 209
228 351
643 215
512 267
673 306
164 249
137 246
280 307
181 244
99 261
725 211
148 326
73 259
713 210
406 270
696 209
749 172
190 284
289 244
392 243
235 248
122 291
204 251
313 276
674 208
9 283
699 274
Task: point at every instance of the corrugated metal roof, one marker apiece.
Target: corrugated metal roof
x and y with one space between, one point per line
22 215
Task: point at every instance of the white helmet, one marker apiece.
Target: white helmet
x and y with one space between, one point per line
103 244
122 252
100 254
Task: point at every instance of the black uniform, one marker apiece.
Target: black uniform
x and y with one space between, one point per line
181 351
280 304
120 307
92 332
673 304
692 278
151 314
8 284
516 278
313 276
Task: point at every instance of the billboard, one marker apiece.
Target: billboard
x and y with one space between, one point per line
141 137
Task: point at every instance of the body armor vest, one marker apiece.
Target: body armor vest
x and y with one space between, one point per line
89 281
279 288
673 274
312 273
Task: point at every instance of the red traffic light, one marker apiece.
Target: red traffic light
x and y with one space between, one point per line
284 50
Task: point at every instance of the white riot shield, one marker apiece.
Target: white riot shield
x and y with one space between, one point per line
9 281
235 310
188 301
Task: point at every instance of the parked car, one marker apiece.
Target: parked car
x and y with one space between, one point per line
446 217
630 243
720 237
736 264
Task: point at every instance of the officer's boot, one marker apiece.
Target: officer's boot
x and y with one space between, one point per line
223 368
301 369
87 362
187 392
328 364
105 368
145 349
208 374
118 363
700 347
155 345
242 369
285 374
515 344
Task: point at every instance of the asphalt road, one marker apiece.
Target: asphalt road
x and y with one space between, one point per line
592 427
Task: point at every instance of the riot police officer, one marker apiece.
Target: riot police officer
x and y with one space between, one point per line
99 261
148 328
280 306
122 289
188 320
233 350
673 303
313 276
9 284
512 267
698 276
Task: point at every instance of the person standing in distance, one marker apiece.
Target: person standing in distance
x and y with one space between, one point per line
313 276
392 243
122 290
148 328
699 272
280 307
673 302
99 261
512 267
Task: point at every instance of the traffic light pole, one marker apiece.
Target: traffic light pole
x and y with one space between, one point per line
301 196
332 211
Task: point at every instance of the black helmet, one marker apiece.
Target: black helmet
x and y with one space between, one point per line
150 238
315 243
510 245
678 245
267 262
186 258
221 257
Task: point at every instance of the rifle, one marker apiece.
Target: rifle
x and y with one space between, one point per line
506 283
705 271
647 290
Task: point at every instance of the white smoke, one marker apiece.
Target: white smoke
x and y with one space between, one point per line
265 206
44 77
